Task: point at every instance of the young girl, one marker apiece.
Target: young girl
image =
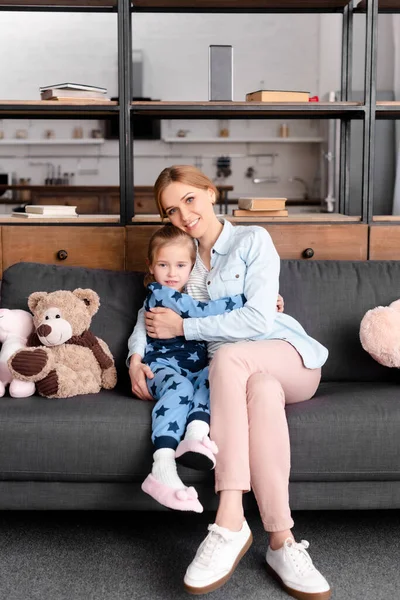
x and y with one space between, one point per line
178 373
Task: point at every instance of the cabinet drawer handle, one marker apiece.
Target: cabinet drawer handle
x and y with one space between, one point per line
308 253
62 254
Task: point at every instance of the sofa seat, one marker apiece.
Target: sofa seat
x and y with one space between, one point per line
106 437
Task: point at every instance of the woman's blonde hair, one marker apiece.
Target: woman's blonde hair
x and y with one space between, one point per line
183 174
168 234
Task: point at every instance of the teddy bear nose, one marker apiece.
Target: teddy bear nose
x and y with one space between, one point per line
43 330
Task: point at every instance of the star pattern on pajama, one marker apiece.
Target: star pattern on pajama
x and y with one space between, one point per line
161 411
173 426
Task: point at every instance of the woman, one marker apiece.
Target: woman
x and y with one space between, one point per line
272 362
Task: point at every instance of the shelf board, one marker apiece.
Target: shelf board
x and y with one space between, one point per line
383 218
248 110
59 5
384 6
47 109
296 218
387 110
247 6
77 220
47 142
232 140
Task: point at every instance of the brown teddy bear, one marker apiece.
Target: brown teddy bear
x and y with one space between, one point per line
63 357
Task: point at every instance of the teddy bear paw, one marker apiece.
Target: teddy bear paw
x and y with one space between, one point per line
28 363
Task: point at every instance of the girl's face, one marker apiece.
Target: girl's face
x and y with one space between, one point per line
189 208
172 265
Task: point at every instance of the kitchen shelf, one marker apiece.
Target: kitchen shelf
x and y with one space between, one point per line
248 110
48 109
232 140
55 142
248 6
59 5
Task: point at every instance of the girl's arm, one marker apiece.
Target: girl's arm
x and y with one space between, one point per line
261 286
186 306
137 341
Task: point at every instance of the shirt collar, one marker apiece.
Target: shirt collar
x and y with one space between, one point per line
224 241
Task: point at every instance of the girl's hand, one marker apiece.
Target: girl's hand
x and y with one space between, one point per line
280 304
138 373
163 323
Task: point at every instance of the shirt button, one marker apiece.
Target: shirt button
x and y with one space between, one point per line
237 275
208 282
213 251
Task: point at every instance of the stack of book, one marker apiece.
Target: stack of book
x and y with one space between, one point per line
261 207
73 93
278 96
49 211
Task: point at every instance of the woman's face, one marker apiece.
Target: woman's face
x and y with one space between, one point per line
189 208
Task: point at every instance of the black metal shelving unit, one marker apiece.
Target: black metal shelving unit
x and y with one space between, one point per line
127 112
345 110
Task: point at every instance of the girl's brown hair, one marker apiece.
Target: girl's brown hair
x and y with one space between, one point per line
168 234
183 174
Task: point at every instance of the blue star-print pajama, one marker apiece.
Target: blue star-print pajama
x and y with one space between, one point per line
180 366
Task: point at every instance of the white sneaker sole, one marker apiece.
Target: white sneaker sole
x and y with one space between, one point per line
220 582
296 593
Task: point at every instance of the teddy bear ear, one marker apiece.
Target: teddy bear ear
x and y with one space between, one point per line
90 298
34 300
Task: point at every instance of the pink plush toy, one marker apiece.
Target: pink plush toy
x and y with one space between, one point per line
15 327
380 334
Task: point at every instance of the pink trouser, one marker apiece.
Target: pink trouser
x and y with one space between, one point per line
250 383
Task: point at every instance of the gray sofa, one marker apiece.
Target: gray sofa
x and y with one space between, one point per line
93 452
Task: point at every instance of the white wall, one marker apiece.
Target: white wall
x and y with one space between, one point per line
272 51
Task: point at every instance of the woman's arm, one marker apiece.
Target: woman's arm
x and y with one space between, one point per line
261 286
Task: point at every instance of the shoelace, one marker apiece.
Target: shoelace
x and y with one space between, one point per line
212 544
299 555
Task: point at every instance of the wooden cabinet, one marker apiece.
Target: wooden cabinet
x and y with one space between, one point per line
137 241
320 242
120 248
96 247
384 242
315 242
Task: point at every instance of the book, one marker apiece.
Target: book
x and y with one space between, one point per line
255 214
60 215
50 209
56 94
257 204
277 96
73 86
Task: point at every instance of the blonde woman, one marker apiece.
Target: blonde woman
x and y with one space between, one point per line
261 360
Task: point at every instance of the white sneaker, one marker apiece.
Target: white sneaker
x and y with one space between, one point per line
292 566
217 558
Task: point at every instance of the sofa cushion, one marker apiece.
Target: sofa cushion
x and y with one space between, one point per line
329 298
347 432
121 296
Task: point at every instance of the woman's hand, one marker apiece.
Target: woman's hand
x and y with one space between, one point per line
138 373
163 323
280 305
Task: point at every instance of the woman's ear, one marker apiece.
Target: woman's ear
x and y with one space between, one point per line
211 193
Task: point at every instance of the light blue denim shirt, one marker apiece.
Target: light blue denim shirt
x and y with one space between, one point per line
244 261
